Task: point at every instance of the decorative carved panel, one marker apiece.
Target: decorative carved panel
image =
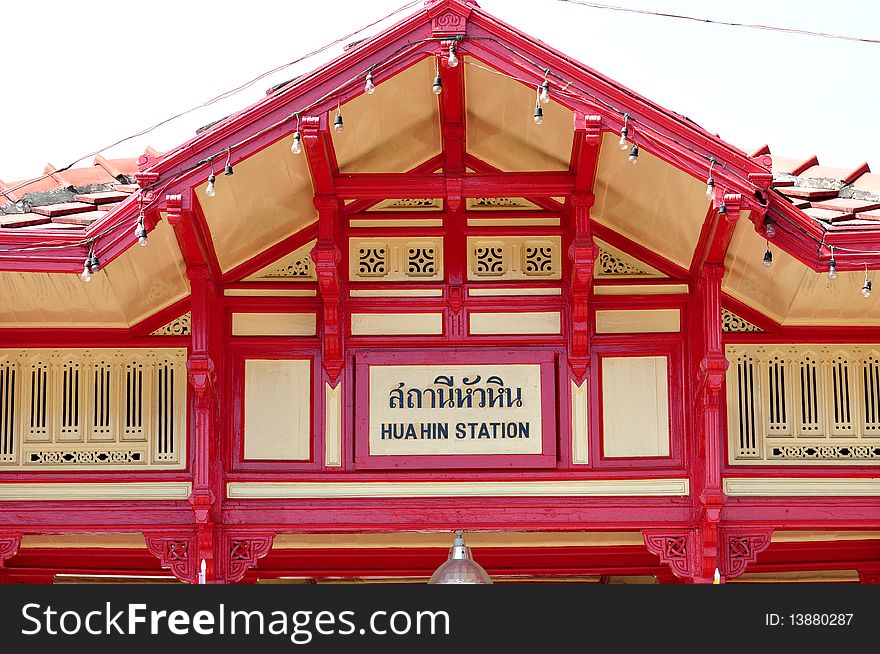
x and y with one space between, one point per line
804 404
613 265
242 552
506 258
297 266
409 204
396 259
176 553
177 327
92 409
730 322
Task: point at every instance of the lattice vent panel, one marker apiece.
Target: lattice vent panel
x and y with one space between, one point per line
99 408
506 258
395 259
804 405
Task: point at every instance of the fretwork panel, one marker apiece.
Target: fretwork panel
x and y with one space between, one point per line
808 405
92 408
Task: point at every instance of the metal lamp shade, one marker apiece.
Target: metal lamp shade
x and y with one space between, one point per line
460 568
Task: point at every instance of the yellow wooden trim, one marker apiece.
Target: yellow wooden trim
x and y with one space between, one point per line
580 439
513 222
443 539
812 486
580 488
91 541
147 490
814 536
333 425
493 292
638 321
525 322
396 292
396 324
640 289
274 324
806 576
270 292
391 222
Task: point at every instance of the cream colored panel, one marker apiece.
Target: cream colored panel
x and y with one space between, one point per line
519 258
91 541
513 222
476 539
333 425
794 536
580 432
652 203
425 222
638 321
274 324
534 322
635 406
581 488
396 292
808 486
391 324
296 266
267 199
500 292
641 289
53 492
395 259
395 128
500 127
270 292
277 409
135 285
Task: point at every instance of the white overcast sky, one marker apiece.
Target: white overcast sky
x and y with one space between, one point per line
80 75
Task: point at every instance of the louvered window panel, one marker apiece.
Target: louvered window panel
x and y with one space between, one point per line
7 411
777 410
809 396
840 406
871 395
93 409
747 445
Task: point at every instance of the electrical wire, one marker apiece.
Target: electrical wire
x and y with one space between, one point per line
725 23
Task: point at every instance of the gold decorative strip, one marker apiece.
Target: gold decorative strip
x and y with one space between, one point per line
270 292
794 536
807 486
513 222
455 489
641 289
407 539
45 492
500 292
390 222
396 292
91 541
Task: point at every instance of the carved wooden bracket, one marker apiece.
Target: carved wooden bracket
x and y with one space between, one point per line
9 544
740 548
677 549
241 552
583 253
453 193
177 553
200 372
326 257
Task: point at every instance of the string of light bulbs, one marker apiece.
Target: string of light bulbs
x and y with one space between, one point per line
542 97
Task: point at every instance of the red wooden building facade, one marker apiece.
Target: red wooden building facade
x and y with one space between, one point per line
480 309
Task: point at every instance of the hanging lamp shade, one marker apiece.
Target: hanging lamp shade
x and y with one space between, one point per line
460 568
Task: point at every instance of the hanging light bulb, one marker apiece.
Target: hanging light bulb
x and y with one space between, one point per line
438 85
337 122
296 147
866 287
722 210
710 182
140 232
634 155
623 132
539 113
453 60
227 170
86 274
369 88
460 567
94 264
545 92
769 227
768 257
209 190
832 266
